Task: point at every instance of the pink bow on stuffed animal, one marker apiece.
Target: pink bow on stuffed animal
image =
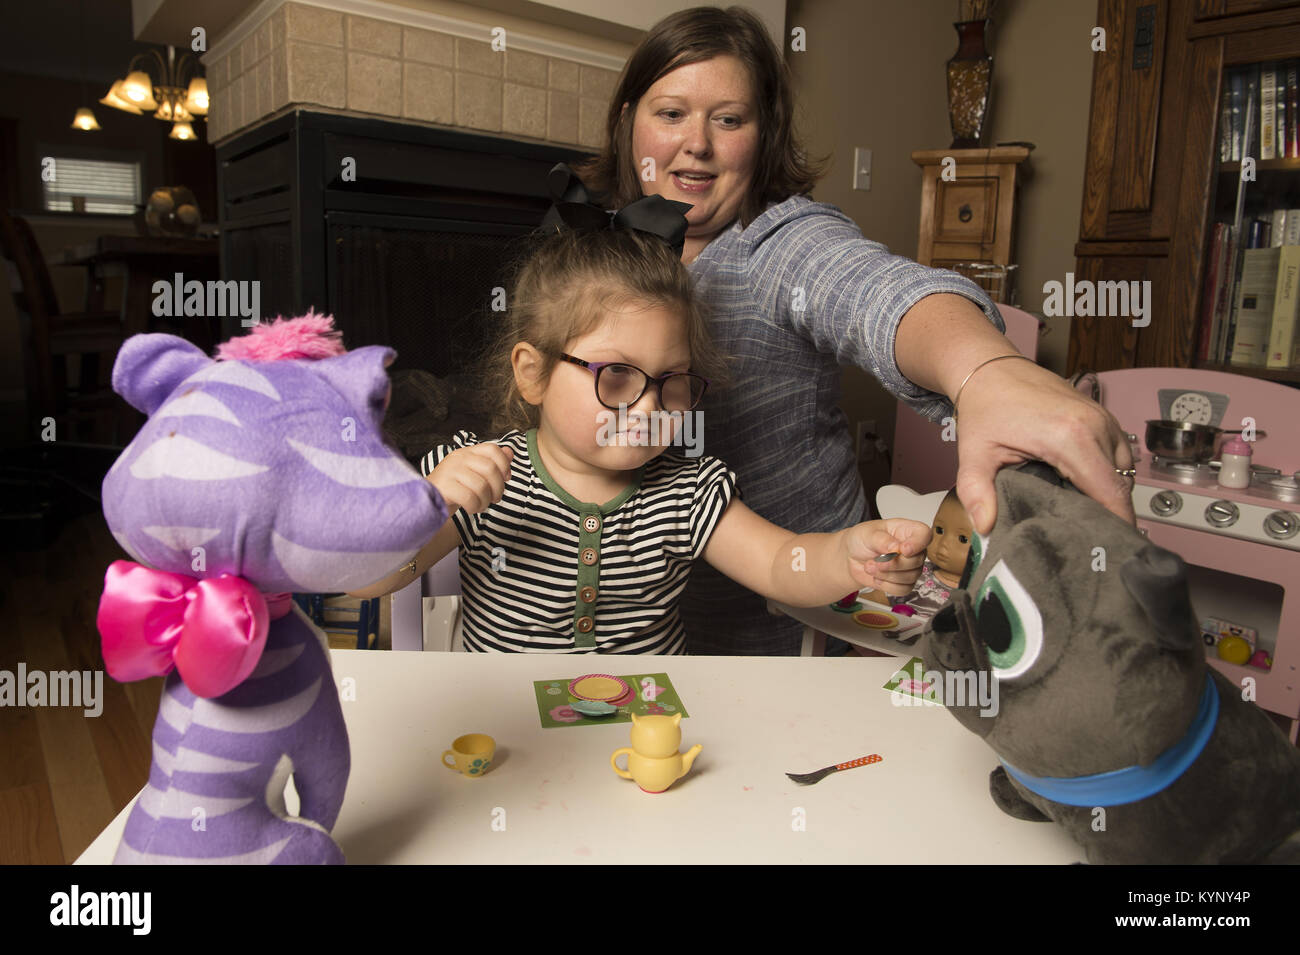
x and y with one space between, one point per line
212 631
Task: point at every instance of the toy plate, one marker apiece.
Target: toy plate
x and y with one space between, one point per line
599 688
589 708
876 620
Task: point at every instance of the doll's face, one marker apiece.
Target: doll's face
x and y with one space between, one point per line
952 535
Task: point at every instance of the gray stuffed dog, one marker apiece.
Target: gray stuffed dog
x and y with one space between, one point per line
1109 722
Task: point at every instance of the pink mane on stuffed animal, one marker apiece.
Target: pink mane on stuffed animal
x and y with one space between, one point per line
312 336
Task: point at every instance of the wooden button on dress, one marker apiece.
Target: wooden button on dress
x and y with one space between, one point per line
587 595
585 624
588 556
591 523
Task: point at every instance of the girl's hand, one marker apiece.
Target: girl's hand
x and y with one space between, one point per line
1012 411
473 478
869 540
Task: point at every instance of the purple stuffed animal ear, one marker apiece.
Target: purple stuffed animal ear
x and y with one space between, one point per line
149 367
361 378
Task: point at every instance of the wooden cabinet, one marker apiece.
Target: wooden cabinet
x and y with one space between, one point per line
968 214
1153 164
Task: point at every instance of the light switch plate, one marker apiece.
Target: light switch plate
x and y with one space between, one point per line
862 168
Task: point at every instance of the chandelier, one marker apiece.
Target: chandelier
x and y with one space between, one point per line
178 95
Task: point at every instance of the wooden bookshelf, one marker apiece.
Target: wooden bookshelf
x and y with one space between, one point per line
1288 376
1154 185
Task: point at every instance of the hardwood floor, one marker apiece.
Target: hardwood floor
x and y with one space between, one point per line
65 775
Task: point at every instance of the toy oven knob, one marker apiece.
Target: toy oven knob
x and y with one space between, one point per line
1222 514
1166 503
1282 525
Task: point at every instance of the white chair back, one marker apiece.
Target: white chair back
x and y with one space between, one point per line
426 613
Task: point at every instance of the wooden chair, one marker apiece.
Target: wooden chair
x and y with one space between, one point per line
50 336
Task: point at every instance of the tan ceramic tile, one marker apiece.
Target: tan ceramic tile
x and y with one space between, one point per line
218 113
591 121
264 39
236 111
598 83
313 24
562 116
316 75
564 76
426 46
427 93
530 69
217 74
523 111
262 83
478 102
367 35
278 29
248 51
374 84
475 57
279 78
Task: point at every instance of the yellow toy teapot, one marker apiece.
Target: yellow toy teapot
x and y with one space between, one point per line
653 760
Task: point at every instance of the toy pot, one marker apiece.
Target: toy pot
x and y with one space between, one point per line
654 774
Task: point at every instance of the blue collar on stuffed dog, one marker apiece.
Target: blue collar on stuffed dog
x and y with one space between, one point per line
1120 786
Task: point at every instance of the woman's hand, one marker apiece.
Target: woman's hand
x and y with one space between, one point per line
474 477
869 540
1012 411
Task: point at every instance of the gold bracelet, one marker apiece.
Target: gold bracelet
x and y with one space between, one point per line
986 361
411 565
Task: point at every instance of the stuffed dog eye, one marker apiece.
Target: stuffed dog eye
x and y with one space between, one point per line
978 545
1009 622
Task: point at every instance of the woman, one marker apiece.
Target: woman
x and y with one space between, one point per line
703 114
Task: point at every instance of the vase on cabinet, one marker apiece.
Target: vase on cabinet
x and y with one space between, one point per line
970 75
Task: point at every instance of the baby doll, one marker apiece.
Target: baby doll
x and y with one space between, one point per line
945 559
256 475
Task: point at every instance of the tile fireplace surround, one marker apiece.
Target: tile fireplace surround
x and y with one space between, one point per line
403 64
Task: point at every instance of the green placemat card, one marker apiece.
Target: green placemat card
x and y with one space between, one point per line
653 694
909 680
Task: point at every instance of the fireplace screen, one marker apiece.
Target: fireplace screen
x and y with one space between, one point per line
428 294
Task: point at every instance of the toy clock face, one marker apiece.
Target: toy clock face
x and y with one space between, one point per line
1191 407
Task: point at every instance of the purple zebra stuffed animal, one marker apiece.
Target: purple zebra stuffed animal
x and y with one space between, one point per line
255 476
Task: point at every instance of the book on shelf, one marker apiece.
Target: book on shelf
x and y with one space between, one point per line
1283 337
1293 108
1292 235
1224 298
1277 228
1268 111
1253 315
1238 85
1283 118
1214 272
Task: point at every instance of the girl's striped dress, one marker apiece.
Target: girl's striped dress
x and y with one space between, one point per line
543 572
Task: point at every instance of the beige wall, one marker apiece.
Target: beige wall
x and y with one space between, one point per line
873 76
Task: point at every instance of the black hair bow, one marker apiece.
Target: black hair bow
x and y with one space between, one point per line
573 208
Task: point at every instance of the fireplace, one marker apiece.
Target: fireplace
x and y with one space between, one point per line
401 232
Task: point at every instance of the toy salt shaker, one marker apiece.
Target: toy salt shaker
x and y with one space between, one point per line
1234 467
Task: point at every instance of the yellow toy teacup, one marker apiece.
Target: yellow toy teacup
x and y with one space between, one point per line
472 754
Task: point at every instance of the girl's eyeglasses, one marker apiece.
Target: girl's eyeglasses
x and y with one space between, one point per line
618 383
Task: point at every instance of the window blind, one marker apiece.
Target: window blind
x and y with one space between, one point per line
108 187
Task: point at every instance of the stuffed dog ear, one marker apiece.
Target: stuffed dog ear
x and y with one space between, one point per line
1157 580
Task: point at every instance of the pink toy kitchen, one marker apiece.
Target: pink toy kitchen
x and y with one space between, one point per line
1217 458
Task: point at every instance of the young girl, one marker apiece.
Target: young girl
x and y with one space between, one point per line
577 533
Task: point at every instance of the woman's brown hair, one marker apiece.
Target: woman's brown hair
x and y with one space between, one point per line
692 36
565 286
